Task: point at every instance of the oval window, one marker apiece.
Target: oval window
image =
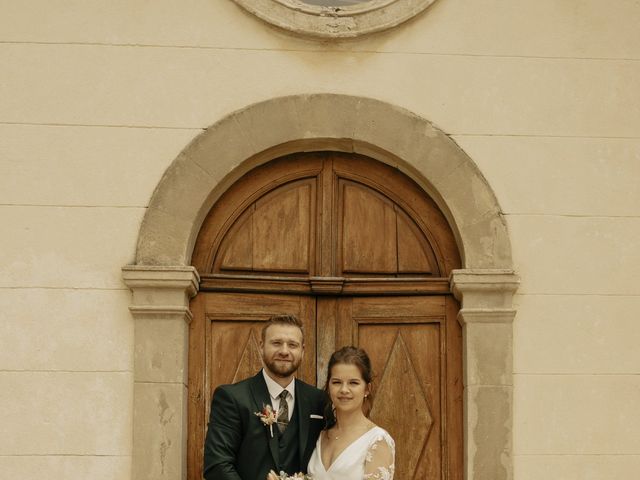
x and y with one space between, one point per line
335 18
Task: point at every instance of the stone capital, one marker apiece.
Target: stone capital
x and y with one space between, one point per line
161 292
485 295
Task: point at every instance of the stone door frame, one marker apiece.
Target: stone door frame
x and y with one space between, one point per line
162 280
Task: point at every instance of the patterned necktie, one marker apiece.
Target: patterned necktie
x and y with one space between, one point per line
283 412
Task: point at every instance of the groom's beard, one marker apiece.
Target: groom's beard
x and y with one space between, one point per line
280 368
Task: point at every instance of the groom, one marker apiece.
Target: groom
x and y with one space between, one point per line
241 445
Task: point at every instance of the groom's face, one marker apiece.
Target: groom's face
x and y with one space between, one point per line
282 349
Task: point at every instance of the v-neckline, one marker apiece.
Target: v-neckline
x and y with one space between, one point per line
343 450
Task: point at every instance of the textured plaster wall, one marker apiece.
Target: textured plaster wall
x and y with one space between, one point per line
98 97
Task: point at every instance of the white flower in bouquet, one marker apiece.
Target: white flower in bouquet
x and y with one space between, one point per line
283 476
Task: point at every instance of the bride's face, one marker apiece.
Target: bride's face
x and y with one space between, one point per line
347 388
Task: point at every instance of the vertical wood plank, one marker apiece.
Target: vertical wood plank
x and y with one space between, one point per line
454 390
237 247
283 230
308 315
326 328
197 410
345 324
414 253
326 248
368 241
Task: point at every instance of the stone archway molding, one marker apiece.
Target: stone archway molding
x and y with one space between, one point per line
162 280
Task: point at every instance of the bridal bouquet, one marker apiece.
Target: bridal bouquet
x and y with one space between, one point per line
283 476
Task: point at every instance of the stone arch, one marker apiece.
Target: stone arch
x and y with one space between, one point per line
162 280
392 135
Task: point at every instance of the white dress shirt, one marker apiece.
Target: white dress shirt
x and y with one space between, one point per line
275 390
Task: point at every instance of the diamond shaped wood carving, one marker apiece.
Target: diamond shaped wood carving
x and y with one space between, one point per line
398 397
250 360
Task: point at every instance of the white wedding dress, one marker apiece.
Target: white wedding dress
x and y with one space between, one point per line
358 461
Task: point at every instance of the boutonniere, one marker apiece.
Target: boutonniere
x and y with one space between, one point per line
268 416
283 476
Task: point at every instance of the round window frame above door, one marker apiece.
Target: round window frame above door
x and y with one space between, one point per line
335 21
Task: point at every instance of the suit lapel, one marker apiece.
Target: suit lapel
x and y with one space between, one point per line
261 398
303 418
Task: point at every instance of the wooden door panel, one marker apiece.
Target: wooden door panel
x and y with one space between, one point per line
326 214
235 348
224 339
284 229
237 247
234 327
376 236
275 234
269 204
368 231
415 255
409 199
407 393
243 304
381 309
406 338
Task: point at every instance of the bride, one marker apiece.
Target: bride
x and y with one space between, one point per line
353 447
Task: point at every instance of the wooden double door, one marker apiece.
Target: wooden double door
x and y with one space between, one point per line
362 256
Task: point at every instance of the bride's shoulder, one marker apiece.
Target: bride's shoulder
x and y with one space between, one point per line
379 434
380 454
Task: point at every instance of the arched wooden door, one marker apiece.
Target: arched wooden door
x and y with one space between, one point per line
362 255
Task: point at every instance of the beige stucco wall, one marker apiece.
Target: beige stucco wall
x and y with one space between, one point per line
97 98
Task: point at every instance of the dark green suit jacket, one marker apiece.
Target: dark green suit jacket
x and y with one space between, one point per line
239 446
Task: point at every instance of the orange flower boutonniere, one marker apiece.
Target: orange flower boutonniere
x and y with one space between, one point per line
268 416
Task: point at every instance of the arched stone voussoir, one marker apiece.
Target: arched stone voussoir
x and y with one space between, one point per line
260 132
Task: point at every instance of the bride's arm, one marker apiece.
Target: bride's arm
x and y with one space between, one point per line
380 460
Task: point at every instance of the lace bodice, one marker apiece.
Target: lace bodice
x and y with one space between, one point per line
370 457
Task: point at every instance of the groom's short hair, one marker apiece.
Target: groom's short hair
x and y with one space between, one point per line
283 319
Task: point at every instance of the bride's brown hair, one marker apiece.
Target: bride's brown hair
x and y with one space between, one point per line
350 356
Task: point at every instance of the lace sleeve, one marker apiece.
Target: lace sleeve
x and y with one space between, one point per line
379 463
